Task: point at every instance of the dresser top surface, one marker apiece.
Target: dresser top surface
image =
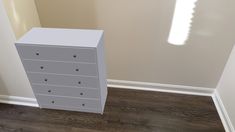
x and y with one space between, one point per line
61 37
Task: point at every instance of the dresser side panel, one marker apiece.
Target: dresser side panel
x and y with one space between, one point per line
102 72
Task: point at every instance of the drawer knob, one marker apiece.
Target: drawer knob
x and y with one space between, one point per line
74 56
79 82
83 104
77 69
52 102
37 53
45 80
41 67
49 91
81 93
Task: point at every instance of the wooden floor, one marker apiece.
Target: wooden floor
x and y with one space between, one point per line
126 111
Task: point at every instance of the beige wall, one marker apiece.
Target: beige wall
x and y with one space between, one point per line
226 88
136 34
13 80
22 15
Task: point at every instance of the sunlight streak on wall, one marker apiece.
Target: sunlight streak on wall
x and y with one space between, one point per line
181 23
22 15
15 15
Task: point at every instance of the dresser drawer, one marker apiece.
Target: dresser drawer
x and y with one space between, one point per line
57 53
66 91
59 107
64 80
60 67
68 102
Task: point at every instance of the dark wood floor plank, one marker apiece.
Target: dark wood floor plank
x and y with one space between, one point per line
125 111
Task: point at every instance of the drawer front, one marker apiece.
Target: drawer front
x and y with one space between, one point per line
60 67
57 53
66 91
63 80
58 107
68 102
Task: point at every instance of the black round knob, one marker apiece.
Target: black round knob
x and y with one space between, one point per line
74 56
41 67
45 80
81 93
79 82
77 69
52 102
49 91
83 104
37 53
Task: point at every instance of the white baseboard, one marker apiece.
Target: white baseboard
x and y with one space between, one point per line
123 84
190 90
18 100
201 91
222 112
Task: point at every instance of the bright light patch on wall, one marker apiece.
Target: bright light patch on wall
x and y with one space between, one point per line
182 20
15 14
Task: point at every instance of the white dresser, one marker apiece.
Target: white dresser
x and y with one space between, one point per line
66 68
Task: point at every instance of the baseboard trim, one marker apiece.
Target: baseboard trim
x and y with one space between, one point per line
180 89
222 112
190 90
18 100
